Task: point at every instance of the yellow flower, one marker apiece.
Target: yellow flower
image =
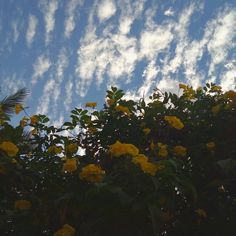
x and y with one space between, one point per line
34 119
18 108
54 149
152 145
139 159
117 149
149 168
91 104
180 151
72 148
110 102
70 165
211 146
146 166
174 122
123 109
201 213
215 109
66 230
23 121
92 173
22 205
10 148
162 150
146 131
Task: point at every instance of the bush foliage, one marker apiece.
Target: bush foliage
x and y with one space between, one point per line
166 166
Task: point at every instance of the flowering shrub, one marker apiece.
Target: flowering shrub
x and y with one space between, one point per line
162 167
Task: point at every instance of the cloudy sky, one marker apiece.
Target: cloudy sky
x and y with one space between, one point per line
68 52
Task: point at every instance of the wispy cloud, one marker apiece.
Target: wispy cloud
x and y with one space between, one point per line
222 39
129 12
114 54
106 9
169 12
12 83
168 44
31 31
69 92
15 30
41 66
52 88
71 16
228 77
49 8
45 100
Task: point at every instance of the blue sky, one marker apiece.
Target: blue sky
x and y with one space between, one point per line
68 52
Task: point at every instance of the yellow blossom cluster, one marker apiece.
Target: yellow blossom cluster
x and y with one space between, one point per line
10 148
54 149
70 165
146 131
92 173
162 150
201 213
180 151
22 204
91 104
18 108
71 148
23 121
211 146
110 102
123 109
118 149
66 230
174 122
146 166
34 119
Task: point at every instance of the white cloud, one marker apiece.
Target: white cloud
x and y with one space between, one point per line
228 77
61 65
223 35
169 12
49 8
168 84
44 102
15 29
113 54
41 66
12 83
129 12
69 92
155 41
31 31
71 16
187 52
149 75
106 9
52 91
